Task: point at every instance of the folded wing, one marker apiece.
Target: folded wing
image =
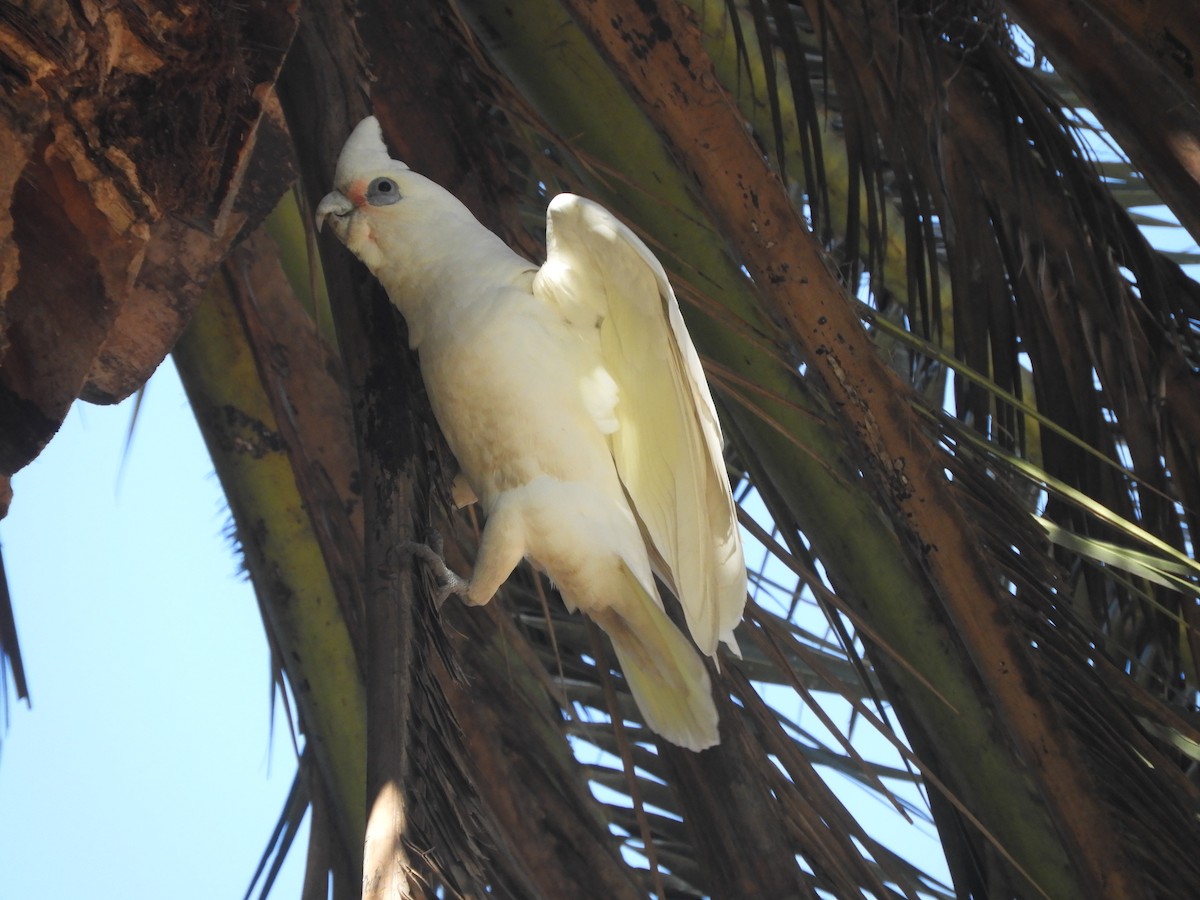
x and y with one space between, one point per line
667 440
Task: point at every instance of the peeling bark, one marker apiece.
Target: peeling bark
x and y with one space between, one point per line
131 135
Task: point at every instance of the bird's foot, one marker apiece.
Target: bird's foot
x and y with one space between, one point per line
446 581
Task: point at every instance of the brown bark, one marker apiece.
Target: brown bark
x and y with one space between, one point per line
127 152
1167 31
387 437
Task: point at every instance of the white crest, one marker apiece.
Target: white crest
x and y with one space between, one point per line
364 152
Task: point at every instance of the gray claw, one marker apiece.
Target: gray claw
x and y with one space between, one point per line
447 582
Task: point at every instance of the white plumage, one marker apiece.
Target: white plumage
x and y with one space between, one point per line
577 408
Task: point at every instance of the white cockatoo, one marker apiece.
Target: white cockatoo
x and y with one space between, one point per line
575 403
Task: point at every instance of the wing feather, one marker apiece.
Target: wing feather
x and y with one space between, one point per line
667 442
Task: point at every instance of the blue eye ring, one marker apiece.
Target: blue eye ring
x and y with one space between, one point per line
383 191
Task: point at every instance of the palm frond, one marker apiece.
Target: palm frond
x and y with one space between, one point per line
959 388
653 796
10 650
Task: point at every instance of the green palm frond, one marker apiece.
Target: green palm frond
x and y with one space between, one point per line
969 503
779 429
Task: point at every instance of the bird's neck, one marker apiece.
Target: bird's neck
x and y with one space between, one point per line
441 274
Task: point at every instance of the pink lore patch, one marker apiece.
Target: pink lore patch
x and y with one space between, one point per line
356 193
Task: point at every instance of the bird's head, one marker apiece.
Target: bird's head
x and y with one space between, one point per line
373 197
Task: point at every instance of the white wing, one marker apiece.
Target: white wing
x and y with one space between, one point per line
667 441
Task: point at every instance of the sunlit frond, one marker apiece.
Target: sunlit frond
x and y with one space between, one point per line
969 506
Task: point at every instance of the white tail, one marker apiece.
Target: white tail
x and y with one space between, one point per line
665 673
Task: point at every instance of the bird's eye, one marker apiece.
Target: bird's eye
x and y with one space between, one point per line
383 192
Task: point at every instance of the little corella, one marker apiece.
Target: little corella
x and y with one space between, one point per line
576 405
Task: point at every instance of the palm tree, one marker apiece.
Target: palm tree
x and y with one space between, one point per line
959 388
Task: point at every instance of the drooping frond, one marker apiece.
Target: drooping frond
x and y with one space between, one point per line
10 651
957 381
943 220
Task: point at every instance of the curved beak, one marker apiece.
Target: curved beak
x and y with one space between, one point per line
335 203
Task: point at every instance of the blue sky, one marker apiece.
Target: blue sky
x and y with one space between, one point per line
145 767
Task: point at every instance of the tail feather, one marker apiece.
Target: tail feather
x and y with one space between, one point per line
665 673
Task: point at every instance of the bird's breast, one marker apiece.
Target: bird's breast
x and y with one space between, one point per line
511 387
